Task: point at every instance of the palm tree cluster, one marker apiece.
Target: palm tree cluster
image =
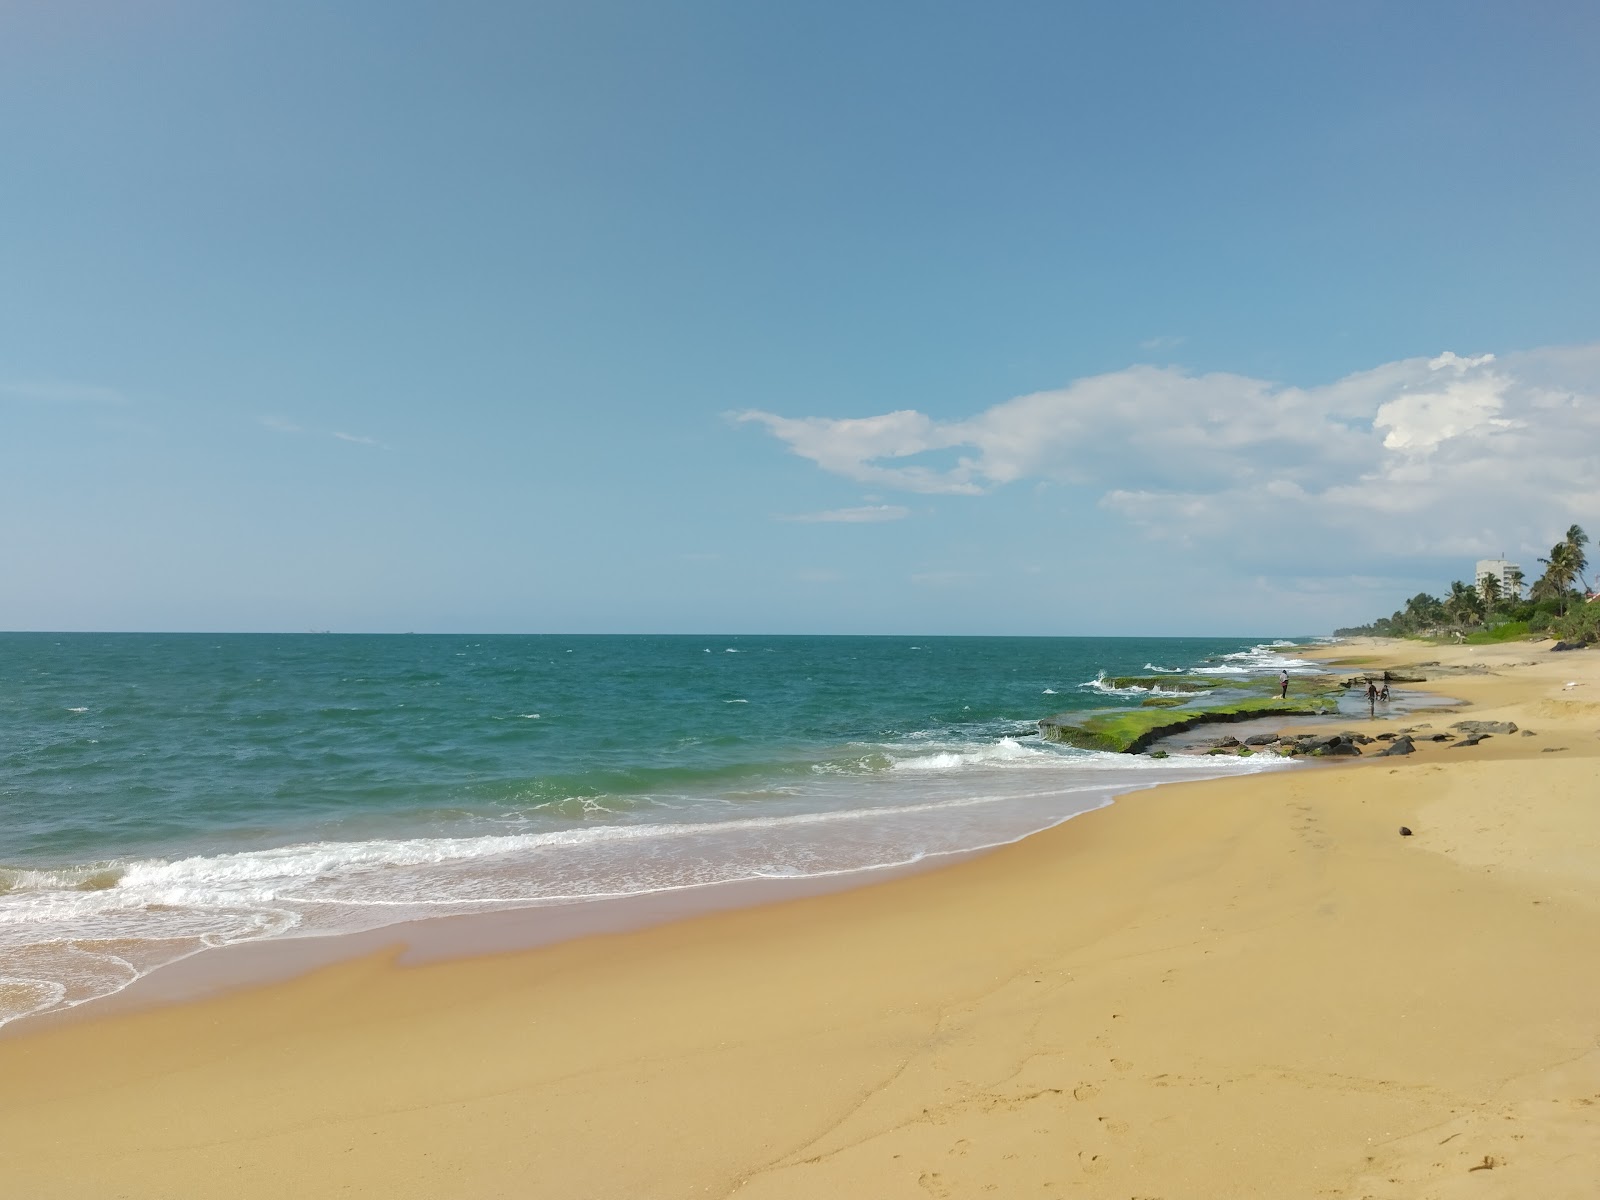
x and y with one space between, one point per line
1493 602
1564 566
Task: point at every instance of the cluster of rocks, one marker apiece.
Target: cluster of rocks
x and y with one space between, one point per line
1289 744
1348 743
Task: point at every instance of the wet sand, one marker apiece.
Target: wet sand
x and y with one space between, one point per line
1244 987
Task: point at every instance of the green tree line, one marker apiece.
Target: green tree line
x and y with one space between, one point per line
1556 603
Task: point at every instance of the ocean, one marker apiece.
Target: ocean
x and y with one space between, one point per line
162 794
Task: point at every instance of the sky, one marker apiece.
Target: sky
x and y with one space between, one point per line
867 317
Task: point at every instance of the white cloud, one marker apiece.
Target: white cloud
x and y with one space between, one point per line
1419 457
852 448
283 425
853 516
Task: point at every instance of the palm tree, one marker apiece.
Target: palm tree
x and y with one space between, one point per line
1576 540
1489 589
1559 571
1514 583
1463 603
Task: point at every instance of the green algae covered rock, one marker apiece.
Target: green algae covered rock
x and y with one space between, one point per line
1127 731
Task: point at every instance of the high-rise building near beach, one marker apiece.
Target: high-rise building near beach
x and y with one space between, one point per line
1498 567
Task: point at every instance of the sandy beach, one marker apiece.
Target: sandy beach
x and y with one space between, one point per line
1244 987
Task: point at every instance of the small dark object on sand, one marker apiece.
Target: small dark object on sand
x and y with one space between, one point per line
1405 831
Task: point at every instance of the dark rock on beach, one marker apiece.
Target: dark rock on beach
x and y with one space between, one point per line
1401 745
1485 726
1469 741
1260 739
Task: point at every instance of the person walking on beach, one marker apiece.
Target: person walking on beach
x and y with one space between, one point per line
1283 684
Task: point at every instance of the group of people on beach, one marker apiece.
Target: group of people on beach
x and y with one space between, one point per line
1374 694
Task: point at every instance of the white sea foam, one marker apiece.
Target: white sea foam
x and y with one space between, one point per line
1048 692
1099 684
1006 750
78 710
901 804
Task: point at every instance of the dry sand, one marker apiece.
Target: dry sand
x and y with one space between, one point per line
1239 988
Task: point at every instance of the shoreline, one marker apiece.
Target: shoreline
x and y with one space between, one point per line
1105 1006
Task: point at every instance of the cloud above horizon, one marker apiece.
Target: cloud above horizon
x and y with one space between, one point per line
1450 455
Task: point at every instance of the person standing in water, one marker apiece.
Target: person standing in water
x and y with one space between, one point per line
1283 684
1372 699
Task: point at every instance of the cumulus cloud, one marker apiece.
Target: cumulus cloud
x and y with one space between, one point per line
853 516
1424 456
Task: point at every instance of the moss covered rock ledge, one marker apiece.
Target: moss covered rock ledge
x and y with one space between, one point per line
1127 731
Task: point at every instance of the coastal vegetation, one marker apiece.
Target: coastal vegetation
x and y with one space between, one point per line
1559 604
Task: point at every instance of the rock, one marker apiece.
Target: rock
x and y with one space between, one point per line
1567 646
1387 737
1485 726
1527 733
1227 742
1260 739
1469 741
1400 746
1344 748
1405 831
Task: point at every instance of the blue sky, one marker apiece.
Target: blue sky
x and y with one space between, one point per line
868 317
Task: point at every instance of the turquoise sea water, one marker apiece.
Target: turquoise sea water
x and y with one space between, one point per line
164 793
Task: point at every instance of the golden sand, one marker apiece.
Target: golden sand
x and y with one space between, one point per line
1248 987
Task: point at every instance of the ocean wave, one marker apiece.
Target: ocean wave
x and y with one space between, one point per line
1262 659
1099 684
1005 751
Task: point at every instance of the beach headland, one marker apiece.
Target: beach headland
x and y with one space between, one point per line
1243 987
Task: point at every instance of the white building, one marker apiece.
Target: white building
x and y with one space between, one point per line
1498 567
